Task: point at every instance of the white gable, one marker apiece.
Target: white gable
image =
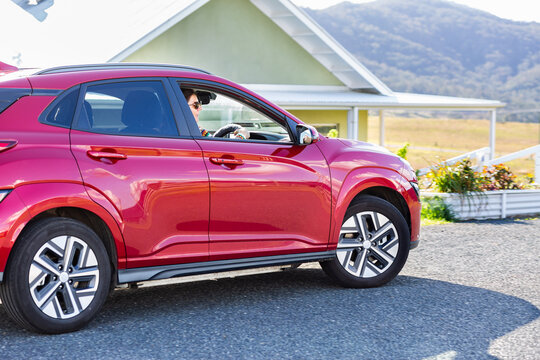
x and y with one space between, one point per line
90 31
315 40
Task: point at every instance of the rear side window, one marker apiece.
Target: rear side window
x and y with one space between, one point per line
62 110
139 108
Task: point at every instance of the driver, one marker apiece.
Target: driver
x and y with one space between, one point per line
196 106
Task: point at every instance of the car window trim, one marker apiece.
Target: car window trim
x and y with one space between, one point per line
236 95
181 127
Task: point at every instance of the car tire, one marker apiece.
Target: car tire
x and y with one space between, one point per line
57 278
373 244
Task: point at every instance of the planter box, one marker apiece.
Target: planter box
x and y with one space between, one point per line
491 204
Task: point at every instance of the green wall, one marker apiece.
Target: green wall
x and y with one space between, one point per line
235 40
317 117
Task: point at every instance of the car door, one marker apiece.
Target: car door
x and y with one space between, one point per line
268 195
133 154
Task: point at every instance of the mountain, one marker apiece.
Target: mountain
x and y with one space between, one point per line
440 47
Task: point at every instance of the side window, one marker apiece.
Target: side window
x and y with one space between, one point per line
217 113
139 108
61 114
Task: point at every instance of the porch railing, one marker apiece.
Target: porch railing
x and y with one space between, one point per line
481 156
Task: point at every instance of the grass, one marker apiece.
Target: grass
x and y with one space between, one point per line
434 140
425 222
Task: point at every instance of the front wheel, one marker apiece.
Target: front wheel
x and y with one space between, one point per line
57 278
373 244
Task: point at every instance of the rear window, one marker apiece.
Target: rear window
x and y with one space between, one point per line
9 96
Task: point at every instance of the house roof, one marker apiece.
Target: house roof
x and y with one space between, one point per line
63 32
312 97
316 41
77 31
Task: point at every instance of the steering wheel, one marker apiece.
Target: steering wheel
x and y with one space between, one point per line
227 129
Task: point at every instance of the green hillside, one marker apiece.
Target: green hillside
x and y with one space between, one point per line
439 47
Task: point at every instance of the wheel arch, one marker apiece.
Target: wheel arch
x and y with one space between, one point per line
383 183
88 218
68 200
390 195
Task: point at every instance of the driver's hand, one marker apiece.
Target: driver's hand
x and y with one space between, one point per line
241 133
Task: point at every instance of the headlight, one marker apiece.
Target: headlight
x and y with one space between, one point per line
408 170
3 194
416 188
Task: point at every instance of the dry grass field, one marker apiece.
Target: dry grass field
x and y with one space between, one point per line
434 140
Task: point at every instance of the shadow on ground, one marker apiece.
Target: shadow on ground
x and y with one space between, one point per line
291 314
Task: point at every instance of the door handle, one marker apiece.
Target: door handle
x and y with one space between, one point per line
106 155
224 161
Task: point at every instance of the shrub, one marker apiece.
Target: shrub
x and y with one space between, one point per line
499 177
402 152
436 209
333 133
460 178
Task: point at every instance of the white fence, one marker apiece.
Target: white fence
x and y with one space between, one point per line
519 154
492 204
481 155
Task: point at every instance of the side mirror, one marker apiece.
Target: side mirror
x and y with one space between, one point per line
306 134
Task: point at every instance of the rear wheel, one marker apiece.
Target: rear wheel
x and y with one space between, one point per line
57 278
373 244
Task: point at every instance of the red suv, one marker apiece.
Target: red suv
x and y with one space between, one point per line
120 173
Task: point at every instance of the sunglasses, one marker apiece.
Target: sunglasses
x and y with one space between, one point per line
196 105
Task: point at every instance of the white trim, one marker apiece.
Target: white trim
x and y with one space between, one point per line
315 107
182 14
537 168
374 108
504 204
319 44
381 128
356 125
319 96
492 127
350 124
337 48
304 88
491 204
458 107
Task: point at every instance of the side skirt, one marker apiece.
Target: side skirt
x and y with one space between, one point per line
170 271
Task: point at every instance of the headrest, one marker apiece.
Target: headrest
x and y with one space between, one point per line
141 109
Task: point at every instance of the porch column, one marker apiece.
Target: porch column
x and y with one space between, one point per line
352 123
492 134
537 168
381 127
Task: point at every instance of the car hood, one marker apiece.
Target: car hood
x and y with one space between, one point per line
400 165
364 146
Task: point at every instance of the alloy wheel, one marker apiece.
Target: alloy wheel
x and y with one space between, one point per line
368 244
63 277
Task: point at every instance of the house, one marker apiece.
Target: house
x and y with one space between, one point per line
270 46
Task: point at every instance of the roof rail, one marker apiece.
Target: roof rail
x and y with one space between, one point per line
107 66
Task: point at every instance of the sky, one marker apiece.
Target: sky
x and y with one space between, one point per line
518 10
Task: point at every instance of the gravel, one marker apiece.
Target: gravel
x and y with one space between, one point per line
470 291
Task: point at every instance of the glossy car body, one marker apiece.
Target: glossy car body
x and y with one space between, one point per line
179 203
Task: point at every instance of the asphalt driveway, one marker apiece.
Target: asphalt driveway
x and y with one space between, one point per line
469 291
